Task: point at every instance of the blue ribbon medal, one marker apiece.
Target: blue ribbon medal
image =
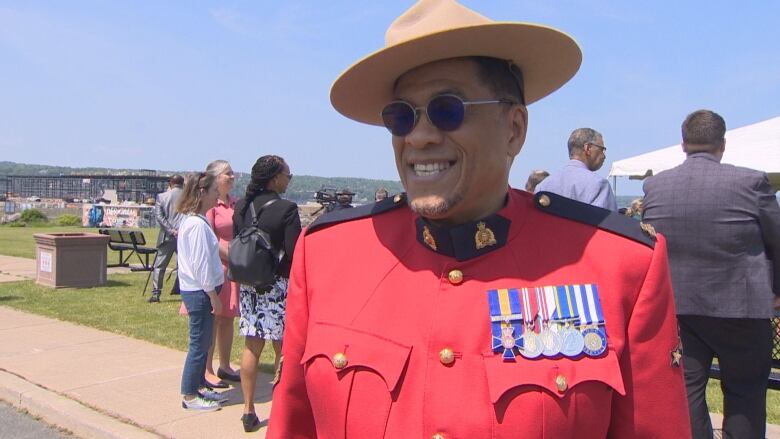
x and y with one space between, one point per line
506 321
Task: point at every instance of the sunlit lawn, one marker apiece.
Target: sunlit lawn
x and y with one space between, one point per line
18 241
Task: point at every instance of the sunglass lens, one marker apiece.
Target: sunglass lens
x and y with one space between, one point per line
399 118
446 112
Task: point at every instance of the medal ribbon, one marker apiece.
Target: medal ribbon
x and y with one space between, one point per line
531 303
505 311
567 297
592 313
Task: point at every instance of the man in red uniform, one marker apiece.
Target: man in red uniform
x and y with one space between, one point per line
473 310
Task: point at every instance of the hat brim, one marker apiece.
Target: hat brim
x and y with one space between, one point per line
547 57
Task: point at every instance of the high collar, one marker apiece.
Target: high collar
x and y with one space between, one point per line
469 240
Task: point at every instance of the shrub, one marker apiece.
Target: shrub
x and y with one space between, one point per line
17 224
68 220
33 216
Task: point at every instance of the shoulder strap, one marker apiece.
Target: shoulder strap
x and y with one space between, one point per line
256 216
364 211
604 219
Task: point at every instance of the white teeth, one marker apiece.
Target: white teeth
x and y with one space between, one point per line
425 169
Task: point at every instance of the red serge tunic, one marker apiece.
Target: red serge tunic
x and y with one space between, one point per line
373 310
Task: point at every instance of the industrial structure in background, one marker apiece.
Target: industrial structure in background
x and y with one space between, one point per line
141 187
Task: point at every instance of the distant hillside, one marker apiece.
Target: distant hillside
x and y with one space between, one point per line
301 189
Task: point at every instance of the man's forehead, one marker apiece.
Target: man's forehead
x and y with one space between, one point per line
458 76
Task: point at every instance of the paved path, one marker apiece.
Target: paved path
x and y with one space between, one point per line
99 384
19 425
14 269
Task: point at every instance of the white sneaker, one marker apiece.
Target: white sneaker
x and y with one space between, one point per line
200 403
211 395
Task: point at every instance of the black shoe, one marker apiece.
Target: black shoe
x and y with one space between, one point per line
250 421
154 298
228 376
218 385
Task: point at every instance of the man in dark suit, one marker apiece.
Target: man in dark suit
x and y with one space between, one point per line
722 224
168 219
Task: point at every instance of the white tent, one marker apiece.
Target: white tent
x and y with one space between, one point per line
754 146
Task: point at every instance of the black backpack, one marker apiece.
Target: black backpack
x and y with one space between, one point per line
252 259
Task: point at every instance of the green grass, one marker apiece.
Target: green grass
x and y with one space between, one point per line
19 241
715 401
117 307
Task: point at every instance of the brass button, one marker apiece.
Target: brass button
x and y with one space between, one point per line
438 436
340 361
544 201
446 356
560 381
455 277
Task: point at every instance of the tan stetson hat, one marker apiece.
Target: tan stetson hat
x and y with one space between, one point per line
433 30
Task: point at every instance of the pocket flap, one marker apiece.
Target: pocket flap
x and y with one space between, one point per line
502 375
362 349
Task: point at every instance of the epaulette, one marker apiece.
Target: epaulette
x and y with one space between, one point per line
364 211
605 219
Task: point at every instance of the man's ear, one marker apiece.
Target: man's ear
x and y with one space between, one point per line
684 147
518 120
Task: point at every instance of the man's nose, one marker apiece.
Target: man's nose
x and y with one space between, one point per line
423 134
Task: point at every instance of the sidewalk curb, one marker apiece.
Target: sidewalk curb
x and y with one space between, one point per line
61 411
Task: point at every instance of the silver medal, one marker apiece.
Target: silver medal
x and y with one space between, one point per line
572 342
551 341
532 345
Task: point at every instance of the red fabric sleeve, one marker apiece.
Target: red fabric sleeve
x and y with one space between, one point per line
291 415
655 405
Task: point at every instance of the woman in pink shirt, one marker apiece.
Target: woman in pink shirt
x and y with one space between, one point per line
221 219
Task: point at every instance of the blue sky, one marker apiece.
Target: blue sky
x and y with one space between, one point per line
175 84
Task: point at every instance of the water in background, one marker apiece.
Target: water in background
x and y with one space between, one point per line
625 200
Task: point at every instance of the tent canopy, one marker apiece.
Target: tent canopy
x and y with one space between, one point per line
754 146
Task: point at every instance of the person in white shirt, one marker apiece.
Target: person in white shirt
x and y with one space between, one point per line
200 279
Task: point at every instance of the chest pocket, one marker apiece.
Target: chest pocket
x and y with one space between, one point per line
352 375
569 397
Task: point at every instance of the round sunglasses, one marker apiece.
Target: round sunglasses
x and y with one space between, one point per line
445 112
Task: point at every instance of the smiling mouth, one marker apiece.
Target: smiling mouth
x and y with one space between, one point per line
431 169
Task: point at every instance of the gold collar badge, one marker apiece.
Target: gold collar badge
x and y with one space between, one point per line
428 238
484 237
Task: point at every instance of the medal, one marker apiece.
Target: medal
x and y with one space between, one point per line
505 320
532 345
551 341
549 338
572 342
508 342
595 342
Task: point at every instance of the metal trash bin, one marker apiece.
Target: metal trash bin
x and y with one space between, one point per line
76 260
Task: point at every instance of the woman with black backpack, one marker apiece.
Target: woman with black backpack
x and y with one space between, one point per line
263 309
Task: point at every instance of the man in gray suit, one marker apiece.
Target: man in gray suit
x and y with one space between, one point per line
168 219
722 226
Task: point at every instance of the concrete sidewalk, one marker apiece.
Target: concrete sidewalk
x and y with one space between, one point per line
15 269
103 385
